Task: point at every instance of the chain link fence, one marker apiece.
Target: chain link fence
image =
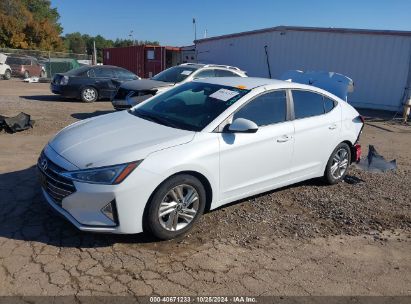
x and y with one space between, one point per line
42 64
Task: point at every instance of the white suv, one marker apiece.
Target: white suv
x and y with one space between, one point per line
5 70
133 92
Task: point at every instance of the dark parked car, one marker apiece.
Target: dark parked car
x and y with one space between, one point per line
90 83
25 67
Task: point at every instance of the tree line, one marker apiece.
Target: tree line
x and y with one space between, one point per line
34 24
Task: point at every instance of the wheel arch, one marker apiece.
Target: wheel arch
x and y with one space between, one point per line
206 183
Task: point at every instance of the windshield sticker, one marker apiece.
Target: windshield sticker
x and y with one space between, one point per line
224 94
186 72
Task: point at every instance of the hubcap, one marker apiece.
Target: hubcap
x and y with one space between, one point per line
340 163
178 207
89 94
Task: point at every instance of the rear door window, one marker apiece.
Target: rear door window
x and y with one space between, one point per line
308 104
103 73
266 109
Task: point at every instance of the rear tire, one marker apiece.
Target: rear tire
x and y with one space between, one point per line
338 164
7 75
88 94
175 207
26 74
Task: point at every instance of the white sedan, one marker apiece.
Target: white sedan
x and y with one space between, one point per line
159 166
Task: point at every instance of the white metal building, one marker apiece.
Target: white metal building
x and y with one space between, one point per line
378 61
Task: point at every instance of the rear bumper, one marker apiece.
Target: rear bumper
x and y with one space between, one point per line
66 91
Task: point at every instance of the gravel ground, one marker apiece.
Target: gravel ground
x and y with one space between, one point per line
348 239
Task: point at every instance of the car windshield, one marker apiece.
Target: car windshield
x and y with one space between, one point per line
191 106
174 74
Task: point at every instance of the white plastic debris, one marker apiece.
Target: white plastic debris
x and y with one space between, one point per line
31 79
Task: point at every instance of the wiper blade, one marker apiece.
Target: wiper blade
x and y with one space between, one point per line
157 119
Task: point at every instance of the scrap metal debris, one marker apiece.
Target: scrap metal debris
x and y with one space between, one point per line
374 162
17 123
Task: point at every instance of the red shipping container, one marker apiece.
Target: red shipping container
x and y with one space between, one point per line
143 60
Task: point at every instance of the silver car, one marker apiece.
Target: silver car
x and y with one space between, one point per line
133 92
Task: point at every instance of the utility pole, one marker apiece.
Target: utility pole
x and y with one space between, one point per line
94 53
132 37
195 29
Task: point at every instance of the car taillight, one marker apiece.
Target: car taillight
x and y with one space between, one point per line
357 149
362 118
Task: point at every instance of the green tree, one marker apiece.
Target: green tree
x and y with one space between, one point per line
29 24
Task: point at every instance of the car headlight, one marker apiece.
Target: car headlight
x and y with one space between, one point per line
111 175
64 80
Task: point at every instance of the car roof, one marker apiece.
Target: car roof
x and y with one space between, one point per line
105 66
211 65
250 83
246 82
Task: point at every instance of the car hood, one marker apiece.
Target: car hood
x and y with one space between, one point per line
145 84
114 138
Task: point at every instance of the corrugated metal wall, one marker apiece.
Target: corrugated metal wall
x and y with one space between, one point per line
378 64
131 58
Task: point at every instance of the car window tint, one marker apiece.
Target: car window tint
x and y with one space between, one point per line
205 74
307 104
329 104
103 73
225 73
266 109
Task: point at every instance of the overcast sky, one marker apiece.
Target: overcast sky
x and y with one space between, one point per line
170 22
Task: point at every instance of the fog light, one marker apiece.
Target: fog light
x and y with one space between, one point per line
110 210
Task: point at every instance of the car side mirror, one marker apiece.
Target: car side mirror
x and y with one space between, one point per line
242 125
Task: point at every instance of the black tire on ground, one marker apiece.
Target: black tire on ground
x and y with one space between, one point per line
7 75
151 220
340 156
89 94
26 74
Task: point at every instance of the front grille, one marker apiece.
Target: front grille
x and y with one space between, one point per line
56 185
122 93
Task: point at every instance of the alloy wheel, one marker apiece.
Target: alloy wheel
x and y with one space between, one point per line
89 94
178 207
339 163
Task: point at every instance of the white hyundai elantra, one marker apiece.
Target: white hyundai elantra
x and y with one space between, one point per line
206 143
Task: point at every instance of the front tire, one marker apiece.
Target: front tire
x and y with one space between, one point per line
338 164
175 207
89 94
26 74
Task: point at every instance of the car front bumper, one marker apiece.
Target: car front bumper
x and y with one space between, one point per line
84 206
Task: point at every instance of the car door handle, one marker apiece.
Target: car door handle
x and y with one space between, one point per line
333 127
284 138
